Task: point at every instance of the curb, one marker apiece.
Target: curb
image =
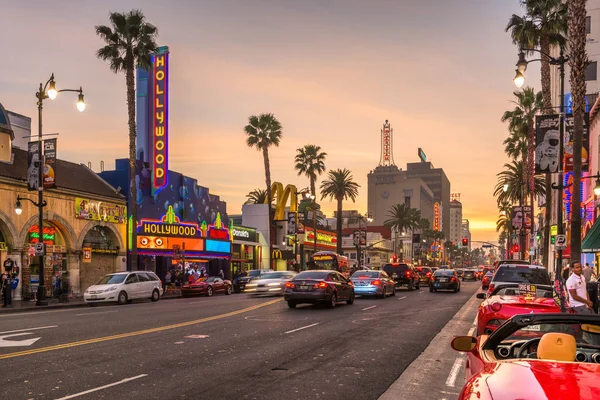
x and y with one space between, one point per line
59 306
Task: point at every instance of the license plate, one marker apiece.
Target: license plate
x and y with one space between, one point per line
303 287
362 283
532 328
443 280
394 275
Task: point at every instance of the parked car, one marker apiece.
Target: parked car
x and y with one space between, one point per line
469 275
122 287
519 273
485 281
425 275
239 283
511 299
445 279
403 274
207 286
319 286
533 356
373 283
270 283
460 272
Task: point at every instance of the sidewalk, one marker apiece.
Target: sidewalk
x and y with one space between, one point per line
438 373
53 304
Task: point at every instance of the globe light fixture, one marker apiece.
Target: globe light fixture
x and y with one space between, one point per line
80 101
18 208
52 92
519 79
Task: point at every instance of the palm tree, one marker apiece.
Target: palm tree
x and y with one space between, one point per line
402 218
544 26
257 196
340 186
130 42
578 63
310 161
263 132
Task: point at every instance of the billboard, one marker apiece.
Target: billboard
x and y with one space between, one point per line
50 163
547 139
33 165
521 218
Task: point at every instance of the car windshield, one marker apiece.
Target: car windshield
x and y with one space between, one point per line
275 275
535 276
365 274
424 269
583 333
209 279
444 272
254 273
112 279
312 275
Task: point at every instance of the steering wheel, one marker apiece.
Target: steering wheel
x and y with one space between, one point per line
526 346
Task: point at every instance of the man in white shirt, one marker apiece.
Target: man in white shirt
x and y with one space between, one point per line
578 296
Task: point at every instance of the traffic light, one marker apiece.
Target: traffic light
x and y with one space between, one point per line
516 248
465 242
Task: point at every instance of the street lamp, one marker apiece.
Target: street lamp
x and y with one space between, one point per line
561 60
46 91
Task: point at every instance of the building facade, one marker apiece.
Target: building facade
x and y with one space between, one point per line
466 232
455 221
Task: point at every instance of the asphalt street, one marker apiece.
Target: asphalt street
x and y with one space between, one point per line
224 347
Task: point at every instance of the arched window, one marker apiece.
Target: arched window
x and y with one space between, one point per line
101 238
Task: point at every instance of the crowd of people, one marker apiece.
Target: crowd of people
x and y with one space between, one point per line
179 276
582 288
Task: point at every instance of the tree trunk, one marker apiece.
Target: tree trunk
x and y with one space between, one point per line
531 151
578 63
270 201
547 100
338 227
313 189
130 83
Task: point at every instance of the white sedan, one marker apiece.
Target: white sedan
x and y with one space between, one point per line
271 283
121 287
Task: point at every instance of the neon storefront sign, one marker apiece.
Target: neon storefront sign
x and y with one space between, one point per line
168 225
160 118
49 234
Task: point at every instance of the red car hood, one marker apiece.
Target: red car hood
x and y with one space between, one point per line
544 380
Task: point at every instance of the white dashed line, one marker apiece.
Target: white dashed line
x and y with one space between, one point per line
299 329
368 308
451 381
103 387
401 298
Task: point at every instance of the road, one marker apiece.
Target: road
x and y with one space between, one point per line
224 347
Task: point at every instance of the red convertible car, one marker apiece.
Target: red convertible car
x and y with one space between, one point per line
534 357
508 300
207 286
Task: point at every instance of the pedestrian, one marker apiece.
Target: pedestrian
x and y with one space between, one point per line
578 295
221 274
587 273
167 281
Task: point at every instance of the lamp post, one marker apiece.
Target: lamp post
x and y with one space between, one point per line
47 91
519 80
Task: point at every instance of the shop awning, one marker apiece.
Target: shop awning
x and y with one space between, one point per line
591 241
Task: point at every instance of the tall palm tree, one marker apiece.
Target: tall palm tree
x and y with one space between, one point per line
263 132
402 218
257 196
340 186
544 26
310 161
130 42
578 62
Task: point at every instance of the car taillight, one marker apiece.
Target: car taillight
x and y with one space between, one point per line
491 288
452 279
408 273
496 307
320 285
429 274
290 285
376 283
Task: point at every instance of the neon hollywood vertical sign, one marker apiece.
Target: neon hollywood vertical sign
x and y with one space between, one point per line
160 134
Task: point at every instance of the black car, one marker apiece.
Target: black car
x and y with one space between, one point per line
403 274
239 283
445 279
320 286
425 274
469 275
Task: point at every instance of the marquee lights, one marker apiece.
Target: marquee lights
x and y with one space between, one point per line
161 118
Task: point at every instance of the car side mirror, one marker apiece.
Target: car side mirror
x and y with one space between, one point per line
481 295
464 344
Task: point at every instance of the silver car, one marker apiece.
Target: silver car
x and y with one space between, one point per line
373 283
270 284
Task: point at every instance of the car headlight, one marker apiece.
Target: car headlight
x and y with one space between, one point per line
110 289
250 285
274 284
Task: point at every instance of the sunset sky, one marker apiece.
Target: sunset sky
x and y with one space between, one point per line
330 70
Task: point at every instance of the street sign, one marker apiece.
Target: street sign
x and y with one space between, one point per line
560 242
486 246
39 249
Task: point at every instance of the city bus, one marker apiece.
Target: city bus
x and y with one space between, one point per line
330 260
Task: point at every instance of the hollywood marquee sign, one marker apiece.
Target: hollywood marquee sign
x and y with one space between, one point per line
160 118
437 217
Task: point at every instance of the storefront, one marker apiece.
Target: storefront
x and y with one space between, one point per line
326 241
245 247
82 211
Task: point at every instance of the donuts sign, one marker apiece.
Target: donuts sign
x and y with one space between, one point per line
160 117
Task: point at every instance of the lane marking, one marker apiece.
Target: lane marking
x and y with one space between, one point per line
299 329
72 396
136 333
401 298
451 381
17 343
368 308
30 329
471 331
420 292
96 313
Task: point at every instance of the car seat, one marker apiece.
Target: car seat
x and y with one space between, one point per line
557 347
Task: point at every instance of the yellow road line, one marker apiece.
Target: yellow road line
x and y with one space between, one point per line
136 333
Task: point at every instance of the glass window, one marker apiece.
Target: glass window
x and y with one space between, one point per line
143 277
110 279
152 276
522 275
312 275
366 274
132 278
588 25
591 71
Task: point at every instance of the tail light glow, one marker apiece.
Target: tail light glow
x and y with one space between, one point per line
290 285
408 273
429 274
320 285
453 279
376 282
